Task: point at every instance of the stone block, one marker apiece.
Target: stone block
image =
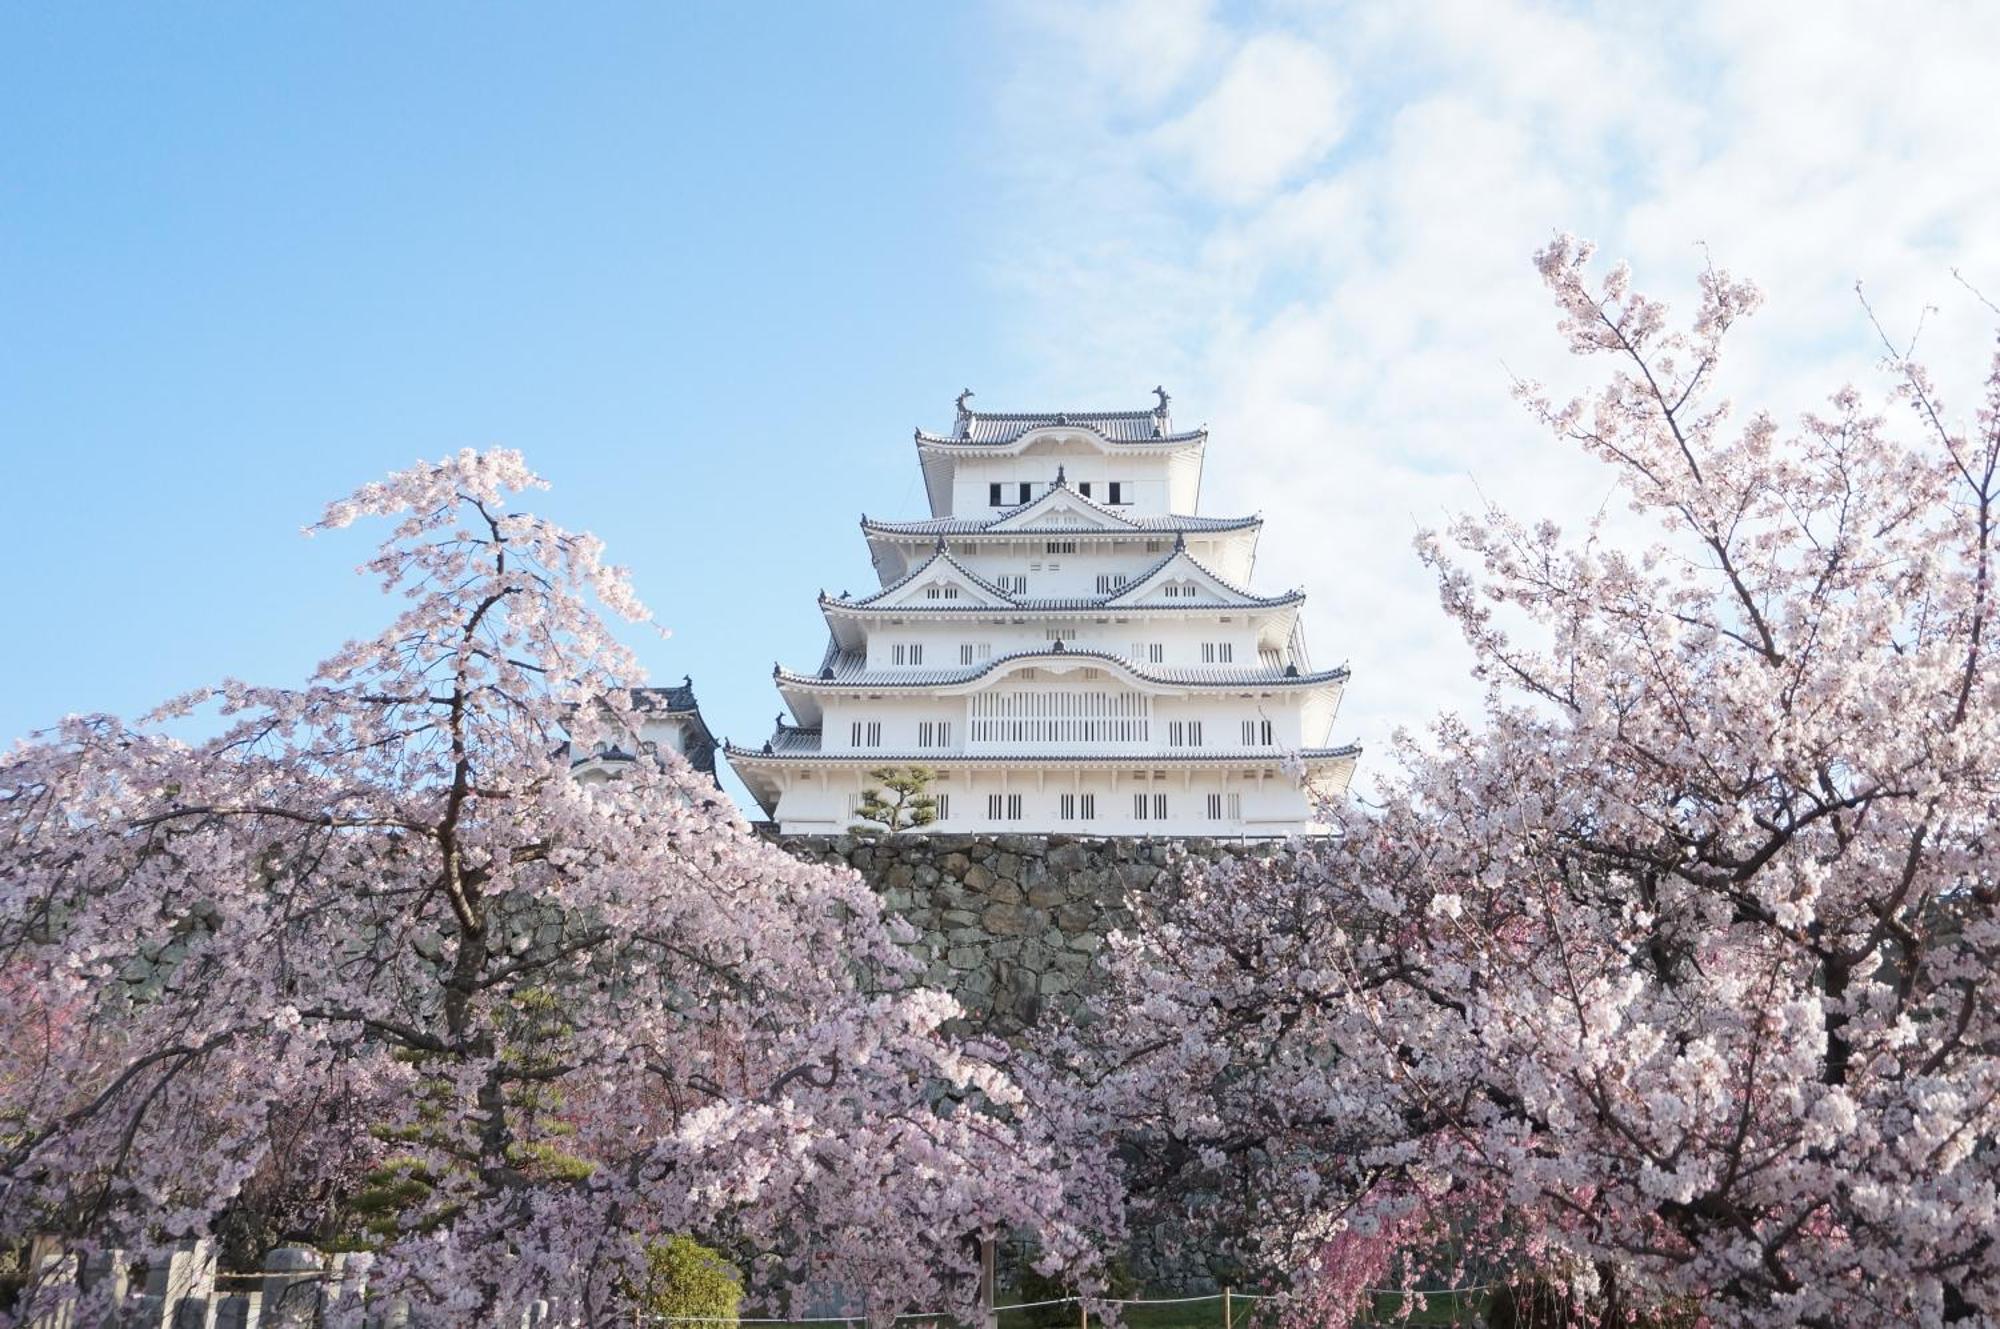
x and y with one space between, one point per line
1076 917
1008 920
1046 892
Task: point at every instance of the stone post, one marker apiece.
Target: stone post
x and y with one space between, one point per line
291 1288
180 1287
393 1314
108 1276
344 1294
49 1300
239 1310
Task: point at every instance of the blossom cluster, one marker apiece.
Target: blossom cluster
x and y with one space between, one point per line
564 1019
1673 979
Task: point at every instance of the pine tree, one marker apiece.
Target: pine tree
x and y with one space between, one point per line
910 806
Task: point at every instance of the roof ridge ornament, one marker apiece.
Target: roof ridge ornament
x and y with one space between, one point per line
1180 542
1059 476
1057 649
1160 391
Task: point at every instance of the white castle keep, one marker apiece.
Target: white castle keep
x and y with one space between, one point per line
1066 645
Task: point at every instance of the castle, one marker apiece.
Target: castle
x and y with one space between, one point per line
1066 644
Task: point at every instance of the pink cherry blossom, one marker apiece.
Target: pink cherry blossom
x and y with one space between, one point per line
367 886
1673 979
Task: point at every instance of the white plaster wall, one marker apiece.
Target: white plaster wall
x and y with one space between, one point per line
1294 721
1230 557
1145 480
1267 802
1065 574
1180 636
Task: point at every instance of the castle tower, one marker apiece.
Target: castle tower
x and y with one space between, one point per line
1066 644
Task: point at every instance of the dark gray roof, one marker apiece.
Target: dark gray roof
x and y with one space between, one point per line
992 428
930 757
1245 600
679 697
1070 605
849 669
1150 525
675 700
942 555
1116 427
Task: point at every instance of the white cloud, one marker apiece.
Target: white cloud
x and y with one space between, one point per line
1275 110
1349 322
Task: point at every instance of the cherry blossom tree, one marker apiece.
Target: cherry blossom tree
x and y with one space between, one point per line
579 1016
1673 981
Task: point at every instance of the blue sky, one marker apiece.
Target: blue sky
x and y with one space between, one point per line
708 265
705 272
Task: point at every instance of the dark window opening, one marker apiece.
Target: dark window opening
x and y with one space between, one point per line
1117 494
993 495
1024 494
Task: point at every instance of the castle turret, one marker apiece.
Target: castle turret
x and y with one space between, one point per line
1066 644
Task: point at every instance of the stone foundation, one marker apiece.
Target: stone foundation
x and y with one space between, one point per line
1011 924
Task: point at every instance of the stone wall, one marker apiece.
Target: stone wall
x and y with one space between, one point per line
1012 924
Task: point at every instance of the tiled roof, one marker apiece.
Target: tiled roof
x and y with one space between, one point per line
972 428
942 555
790 740
937 526
1133 427
933 758
847 669
1249 598
1246 599
670 699
675 701
1081 604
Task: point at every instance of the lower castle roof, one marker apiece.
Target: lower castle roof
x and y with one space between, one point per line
793 744
849 669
